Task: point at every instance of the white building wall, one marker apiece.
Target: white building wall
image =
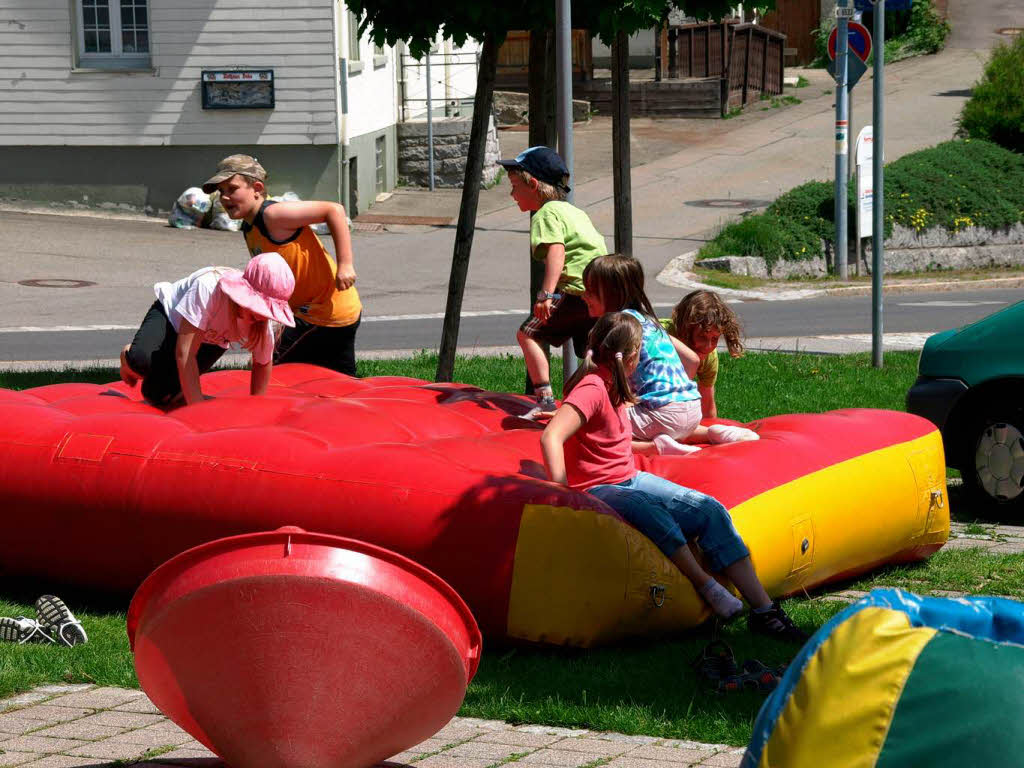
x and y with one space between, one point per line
640 45
372 93
45 100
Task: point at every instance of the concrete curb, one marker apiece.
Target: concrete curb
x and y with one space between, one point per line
677 274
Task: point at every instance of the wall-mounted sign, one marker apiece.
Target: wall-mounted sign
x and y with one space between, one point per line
238 89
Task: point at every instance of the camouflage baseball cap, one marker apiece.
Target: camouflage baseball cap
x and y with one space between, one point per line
235 164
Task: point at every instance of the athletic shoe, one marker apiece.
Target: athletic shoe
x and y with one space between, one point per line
22 630
774 622
56 618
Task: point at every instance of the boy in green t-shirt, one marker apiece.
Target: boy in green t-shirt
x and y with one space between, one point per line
563 237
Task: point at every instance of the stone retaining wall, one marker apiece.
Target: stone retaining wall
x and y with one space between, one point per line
513 108
906 250
451 148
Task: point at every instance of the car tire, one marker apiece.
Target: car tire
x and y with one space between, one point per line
993 464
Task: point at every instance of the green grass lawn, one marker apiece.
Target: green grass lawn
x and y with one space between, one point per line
645 687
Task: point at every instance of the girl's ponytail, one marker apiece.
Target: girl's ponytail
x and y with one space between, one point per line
621 392
586 366
614 338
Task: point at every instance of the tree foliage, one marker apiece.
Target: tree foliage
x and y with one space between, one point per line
418 23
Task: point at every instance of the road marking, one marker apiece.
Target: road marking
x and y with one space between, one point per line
370 319
63 328
950 303
440 315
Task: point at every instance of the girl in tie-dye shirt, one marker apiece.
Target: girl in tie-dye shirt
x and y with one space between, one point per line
669 409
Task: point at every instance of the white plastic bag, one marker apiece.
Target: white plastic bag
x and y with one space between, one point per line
189 209
219 218
291 197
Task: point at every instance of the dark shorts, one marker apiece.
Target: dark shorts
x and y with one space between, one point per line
152 356
569 319
326 346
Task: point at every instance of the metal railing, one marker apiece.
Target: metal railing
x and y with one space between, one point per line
458 101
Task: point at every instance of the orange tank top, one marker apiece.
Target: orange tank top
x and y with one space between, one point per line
316 299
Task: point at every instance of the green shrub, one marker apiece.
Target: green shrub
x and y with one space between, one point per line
766 235
812 206
954 185
921 30
995 110
926 31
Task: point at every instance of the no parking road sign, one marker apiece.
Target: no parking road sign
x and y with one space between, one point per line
860 41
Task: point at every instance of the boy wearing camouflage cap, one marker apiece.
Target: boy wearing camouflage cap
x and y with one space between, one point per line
325 301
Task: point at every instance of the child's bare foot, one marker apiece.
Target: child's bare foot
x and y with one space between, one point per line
128 376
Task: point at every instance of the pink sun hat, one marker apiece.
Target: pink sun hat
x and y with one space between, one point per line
264 287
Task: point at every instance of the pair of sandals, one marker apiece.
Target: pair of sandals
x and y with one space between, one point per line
55 623
717 665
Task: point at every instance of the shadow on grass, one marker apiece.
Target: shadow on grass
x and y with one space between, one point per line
643 687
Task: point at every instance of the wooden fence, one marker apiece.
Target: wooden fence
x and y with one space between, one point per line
514 59
747 57
797 20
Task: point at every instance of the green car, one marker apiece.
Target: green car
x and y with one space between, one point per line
971 386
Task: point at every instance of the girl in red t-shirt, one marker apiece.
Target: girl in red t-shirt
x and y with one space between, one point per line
587 446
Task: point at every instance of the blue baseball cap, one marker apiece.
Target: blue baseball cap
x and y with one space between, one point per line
543 163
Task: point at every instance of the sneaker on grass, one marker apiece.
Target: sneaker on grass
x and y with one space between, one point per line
58 620
775 622
21 630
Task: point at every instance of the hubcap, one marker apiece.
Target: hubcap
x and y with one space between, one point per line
999 461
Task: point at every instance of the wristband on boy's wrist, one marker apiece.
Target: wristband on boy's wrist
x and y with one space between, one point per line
544 295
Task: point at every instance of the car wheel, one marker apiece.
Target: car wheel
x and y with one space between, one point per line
993 472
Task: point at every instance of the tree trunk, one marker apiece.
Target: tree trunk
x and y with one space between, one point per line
482 104
543 131
621 186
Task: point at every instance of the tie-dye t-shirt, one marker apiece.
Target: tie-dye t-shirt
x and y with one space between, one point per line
659 378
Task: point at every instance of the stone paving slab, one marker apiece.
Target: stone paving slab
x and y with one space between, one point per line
76 726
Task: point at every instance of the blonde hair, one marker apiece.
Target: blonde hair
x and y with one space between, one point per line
546 192
706 310
615 337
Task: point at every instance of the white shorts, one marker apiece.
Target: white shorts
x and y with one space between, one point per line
677 420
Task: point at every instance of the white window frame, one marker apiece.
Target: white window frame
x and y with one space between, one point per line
115 58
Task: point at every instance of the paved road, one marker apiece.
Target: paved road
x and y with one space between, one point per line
827 316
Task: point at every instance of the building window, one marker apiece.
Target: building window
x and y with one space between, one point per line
380 56
113 33
381 156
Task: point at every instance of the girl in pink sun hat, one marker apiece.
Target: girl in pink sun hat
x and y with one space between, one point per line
194 320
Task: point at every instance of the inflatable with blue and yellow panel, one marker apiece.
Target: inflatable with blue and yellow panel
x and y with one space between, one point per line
901 680
98 488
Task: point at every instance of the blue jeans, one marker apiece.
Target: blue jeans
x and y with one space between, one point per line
670 515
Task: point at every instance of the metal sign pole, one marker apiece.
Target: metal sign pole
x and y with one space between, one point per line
842 139
878 188
430 129
563 63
